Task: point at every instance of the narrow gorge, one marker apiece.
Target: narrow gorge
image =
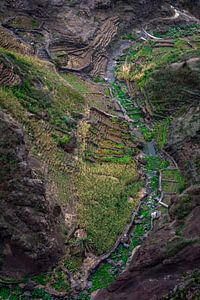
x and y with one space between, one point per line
99 150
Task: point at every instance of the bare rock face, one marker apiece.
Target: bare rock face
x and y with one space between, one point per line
76 35
184 133
184 141
192 5
170 250
30 238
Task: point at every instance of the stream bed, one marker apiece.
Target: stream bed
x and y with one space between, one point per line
109 269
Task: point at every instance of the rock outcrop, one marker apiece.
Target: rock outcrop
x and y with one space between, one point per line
30 221
171 249
183 143
76 35
192 5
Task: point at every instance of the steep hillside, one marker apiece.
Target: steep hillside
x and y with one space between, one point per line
76 35
99 150
168 258
162 75
67 159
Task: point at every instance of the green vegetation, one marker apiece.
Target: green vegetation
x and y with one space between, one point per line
102 277
77 83
160 133
104 190
52 101
147 133
107 273
24 22
120 160
73 263
56 279
173 181
6 293
107 92
155 163
98 79
35 92
129 36
180 31
163 87
16 294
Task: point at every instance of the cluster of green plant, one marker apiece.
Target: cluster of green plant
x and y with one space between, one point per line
147 133
107 92
119 92
177 184
73 263
17 293
57 279
40 294
41 278
24 22
104 190
126 159
7 293
151 58
98 79
129 36
154 183
106 273
160 133
43 90
102 277
77 83
180 31
134 113
155 163
82 296
166 89
35 23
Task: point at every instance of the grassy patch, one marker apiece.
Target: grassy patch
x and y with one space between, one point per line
119 160
173 181
160 133
102 277
180 31
104 190
164 88
77 83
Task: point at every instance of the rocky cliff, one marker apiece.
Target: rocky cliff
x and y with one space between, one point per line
193 6
31 218
76 35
